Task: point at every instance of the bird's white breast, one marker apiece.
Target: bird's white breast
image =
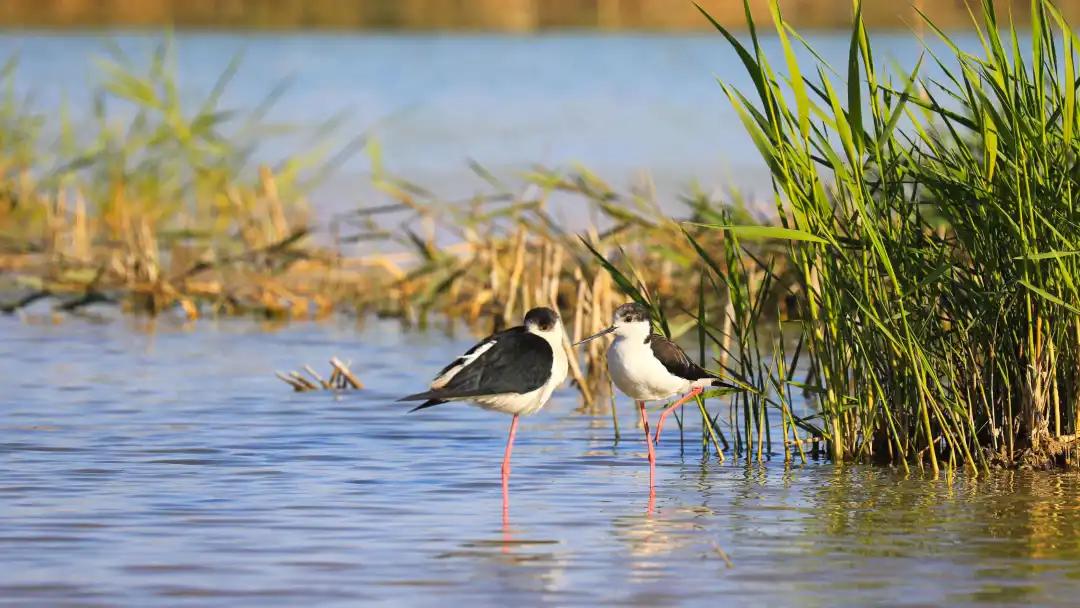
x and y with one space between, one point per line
639 374
559 367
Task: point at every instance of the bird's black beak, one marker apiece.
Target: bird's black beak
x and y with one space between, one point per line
596 335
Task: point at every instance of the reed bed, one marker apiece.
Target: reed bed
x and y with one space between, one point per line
160 209
930 223
152 205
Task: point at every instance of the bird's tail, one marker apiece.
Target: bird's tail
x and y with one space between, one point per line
430 397
427 404
717 382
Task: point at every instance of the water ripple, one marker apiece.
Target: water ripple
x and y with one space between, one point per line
156 489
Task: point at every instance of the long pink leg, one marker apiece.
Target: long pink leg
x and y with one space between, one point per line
664 414
506 467
648 441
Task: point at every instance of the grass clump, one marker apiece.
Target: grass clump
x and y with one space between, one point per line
156 204
932 225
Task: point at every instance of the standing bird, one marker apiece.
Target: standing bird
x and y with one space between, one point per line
513 371
647 366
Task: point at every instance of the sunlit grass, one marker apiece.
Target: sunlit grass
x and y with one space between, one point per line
932 224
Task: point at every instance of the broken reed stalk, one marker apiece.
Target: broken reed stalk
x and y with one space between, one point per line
341 378
344 376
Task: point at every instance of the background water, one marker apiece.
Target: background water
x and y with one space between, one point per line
141 465
621 104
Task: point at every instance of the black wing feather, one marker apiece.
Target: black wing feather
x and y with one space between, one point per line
462 358
677 362
519 362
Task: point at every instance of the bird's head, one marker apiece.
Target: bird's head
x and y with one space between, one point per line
631 320
543 321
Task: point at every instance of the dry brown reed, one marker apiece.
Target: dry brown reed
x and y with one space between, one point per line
341 378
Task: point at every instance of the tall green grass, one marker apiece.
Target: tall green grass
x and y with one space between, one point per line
934 224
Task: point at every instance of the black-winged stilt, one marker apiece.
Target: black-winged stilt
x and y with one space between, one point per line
513 371
647 367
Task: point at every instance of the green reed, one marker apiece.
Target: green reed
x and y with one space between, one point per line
932 223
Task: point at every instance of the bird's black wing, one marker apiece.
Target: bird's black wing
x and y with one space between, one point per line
467 357
676 361
514 361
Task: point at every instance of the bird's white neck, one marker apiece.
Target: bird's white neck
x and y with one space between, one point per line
633 332
553 337
559 362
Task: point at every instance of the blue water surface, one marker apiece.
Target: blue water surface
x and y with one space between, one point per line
162 464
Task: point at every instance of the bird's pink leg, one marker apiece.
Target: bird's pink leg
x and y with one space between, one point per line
506 467
648 441
664 414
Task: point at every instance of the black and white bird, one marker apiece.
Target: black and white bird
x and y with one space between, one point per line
647 367
513 372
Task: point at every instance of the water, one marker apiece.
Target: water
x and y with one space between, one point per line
162 464
621 103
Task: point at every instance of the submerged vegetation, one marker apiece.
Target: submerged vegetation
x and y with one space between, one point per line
918 284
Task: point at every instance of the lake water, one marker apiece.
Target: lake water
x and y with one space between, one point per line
162 464
621 104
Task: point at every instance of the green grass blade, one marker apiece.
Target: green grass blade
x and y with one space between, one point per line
766 232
